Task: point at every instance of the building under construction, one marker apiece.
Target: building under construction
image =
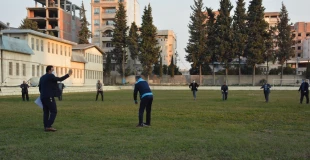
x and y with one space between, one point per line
57 17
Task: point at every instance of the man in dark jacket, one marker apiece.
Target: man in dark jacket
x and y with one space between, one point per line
24 88
48 90
266 87
61 87
304 91
146 97
224 90
194 87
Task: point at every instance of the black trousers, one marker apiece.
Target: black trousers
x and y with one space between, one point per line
49 111
225 94
145 104
302 94
25 94
60 96
101 92
266 96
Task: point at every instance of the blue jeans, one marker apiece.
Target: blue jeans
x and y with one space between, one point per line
49 111
224 95
194 93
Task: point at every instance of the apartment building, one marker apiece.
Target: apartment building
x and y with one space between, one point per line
103 15
167 40
56 17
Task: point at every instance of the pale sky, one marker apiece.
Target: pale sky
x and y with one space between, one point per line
167 14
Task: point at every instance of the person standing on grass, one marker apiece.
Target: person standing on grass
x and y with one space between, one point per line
194 87
61 87
48 90
146 100
24 88
224 90
99 90
304 91
266 87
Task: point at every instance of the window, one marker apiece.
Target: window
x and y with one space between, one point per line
42 46
299 48
96 22
52 47
24 69
299 34
17 69
16 37
48 47
60 49
37 44
299 41
56 48
109 23
78 73
69 51
97 11
32 43
61 71
96 1
10 68
65 50
38 71
110 10
81 75
33 71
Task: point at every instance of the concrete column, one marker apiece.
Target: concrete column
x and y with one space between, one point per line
65 5
74 10
58 4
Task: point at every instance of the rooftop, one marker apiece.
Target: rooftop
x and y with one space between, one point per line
39 34
14 45
86 46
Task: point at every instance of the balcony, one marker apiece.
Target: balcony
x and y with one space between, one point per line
106 15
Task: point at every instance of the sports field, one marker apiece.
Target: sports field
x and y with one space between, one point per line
244 127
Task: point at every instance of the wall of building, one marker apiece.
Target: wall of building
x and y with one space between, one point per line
167 42
93 67
77 78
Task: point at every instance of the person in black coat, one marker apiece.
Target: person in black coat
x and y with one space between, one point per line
146 100
24 88
48 90
304 91
266 87
224 90
194 87
61 87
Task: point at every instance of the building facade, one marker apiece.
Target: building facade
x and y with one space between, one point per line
47 50
56 17
167 41
92 55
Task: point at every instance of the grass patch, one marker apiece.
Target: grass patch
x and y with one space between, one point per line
244 127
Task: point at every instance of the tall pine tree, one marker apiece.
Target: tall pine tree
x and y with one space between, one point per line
29 24
239 33
148 46
285 39
270 48
119 39
256 30
172 67
84 33
133 42
224 34
196 47
108 65
211 41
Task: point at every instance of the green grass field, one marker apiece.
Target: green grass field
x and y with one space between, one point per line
244 127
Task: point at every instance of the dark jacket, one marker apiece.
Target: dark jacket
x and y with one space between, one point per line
224 88
304 87
266 88
143 88
194 86
48 85
24 88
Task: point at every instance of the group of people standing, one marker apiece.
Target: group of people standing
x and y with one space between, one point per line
303 89
49 88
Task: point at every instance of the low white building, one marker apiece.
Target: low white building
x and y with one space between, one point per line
26 53
92 55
